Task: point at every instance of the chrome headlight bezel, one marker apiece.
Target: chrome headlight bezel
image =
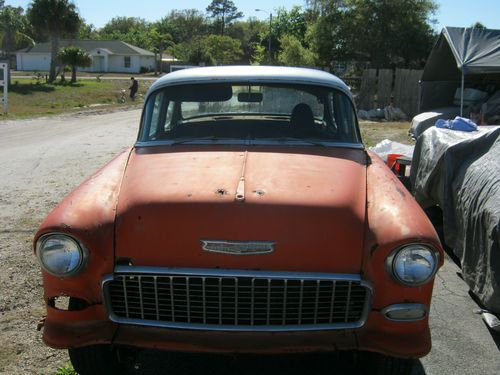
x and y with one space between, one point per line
82 251
392 258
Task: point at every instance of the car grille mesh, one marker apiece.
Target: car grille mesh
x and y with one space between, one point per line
235 301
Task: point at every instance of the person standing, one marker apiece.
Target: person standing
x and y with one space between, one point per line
133 88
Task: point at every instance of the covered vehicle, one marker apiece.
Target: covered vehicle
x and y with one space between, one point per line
248 217
455 174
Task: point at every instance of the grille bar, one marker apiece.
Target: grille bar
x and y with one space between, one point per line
236 300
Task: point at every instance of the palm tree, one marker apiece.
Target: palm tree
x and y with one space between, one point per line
74 57
54 19
160 42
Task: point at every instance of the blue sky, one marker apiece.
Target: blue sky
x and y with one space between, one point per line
98 12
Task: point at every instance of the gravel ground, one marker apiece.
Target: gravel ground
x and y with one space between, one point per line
42 160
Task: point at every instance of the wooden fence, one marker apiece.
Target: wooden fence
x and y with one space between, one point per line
401 86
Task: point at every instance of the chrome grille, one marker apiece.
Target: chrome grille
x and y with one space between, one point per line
236 300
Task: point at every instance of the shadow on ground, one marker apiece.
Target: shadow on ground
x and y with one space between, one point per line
152 362
31 88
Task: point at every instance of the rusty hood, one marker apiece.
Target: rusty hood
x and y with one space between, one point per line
309 202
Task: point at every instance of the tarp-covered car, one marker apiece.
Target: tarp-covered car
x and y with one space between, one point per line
248 217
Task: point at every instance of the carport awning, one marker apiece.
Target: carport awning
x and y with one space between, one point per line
470 51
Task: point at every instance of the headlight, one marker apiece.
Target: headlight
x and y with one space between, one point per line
413 264
61 255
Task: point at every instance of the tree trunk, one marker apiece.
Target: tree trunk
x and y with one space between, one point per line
53 58
8 54
161 61
156 64
73 74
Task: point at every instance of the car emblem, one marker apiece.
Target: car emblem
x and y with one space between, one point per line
238 247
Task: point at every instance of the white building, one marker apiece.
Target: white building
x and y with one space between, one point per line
107 56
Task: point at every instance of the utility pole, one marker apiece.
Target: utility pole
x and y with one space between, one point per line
270 56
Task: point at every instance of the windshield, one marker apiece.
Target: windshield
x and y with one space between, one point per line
249 112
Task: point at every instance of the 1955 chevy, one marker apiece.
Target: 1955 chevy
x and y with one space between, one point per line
247 218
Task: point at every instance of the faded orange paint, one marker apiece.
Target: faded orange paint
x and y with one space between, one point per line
329 210
313 207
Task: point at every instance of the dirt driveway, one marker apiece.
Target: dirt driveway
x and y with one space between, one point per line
42 160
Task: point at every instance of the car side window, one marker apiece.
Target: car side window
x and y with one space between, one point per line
169 116
156 114
343 117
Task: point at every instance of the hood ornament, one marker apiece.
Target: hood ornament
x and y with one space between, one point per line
238 247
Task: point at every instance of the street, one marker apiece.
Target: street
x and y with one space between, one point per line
41 160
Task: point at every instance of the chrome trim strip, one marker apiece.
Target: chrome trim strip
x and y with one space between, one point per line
172 300
125 297
255 142
332 303
212 272
140 296
348 302
238 247
156 299
236 273
405 306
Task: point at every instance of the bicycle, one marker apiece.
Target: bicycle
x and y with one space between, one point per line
122 98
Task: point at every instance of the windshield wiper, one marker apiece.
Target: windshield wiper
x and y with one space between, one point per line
203 140
298 141
187 140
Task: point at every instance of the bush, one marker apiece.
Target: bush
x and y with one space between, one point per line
144 69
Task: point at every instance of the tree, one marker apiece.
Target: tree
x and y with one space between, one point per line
285 23
224 11
249 33
293 53
183 25
194 52
159 43
87 31
13 29
124 25
131 30
223 49
74 57
292 22
210 50
55 19
386 33
478 25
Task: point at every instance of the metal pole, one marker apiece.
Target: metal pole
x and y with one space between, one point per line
5 82
270 33
462 96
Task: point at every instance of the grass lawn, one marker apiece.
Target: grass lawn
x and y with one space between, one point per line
31 98
374 132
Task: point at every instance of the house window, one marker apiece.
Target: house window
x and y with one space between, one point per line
127 62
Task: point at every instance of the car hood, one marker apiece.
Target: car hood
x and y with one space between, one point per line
310 202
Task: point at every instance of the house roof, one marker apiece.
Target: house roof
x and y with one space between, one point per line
116 47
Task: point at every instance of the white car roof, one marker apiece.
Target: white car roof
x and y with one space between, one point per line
251 74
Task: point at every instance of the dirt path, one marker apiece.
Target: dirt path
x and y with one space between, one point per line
42 160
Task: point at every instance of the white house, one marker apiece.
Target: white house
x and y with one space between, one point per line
107 56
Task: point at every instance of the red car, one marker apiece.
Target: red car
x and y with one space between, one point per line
248 217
